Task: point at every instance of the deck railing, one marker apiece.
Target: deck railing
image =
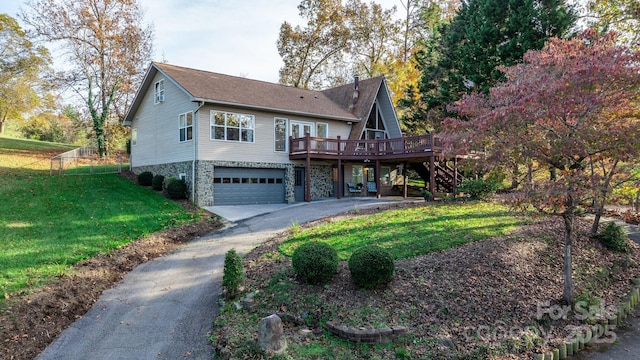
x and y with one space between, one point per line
365 149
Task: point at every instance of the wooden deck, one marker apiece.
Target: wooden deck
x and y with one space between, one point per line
409 148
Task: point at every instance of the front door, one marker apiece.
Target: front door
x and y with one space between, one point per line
298 188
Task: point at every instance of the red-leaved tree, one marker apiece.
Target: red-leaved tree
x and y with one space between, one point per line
571 108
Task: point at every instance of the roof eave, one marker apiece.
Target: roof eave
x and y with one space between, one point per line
283 111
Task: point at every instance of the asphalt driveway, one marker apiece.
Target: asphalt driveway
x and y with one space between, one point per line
163 309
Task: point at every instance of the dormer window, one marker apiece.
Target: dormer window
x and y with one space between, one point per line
158 92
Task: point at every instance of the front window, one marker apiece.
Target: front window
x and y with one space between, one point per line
228 126
134 137
186 126
280 134
158 92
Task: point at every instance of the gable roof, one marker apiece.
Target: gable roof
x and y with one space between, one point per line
214 88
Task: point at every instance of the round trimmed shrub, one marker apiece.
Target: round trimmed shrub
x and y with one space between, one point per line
177 189
156 183
315 262
167 181
145 178
371 266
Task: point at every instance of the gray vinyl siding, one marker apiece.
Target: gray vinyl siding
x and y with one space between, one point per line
388 113
262 149
158 127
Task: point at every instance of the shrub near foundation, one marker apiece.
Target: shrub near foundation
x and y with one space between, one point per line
371 266
157 182
315 262
177 189
145 178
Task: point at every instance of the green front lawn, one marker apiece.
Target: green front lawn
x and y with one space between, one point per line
49 223
413 231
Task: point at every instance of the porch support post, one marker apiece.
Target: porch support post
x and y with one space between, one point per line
378 192
432 174
404 175
340 185
307 193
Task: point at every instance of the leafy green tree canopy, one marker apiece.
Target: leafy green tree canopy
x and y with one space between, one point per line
21 68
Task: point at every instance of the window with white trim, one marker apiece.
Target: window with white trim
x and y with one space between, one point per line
186 126
322 130
280 134
357 174
134 137
158 91
227 126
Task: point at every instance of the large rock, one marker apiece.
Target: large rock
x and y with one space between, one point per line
271 335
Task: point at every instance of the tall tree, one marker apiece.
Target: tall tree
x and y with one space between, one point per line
573 106
21 69
484 35
622 16
308 51
106 47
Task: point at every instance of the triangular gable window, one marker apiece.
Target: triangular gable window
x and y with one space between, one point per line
375 128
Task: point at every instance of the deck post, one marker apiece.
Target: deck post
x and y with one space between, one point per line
432 174
378 193
307 192
404 174
340 185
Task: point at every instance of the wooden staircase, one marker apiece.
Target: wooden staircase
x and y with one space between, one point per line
444 175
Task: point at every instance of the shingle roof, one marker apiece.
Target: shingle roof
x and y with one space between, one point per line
233 90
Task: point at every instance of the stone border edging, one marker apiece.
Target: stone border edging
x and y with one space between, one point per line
570 348
375 336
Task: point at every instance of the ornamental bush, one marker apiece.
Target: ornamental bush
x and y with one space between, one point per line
477 188
177 189
167 181
315 262
614 237
371 266
145 178
233 275
157 182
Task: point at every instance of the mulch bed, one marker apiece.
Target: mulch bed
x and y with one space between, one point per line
463 299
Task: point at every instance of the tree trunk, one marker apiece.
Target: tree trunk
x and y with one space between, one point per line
568 231
596 222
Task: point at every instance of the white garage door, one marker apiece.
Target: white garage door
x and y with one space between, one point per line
244 186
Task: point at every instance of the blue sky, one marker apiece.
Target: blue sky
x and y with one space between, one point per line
229 37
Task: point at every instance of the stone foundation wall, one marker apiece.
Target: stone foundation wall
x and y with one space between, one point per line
171 169
321 177
321 181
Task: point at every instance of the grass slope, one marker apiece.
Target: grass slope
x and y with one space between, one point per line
49 223
412 231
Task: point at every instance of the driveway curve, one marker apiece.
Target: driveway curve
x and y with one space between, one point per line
163 309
